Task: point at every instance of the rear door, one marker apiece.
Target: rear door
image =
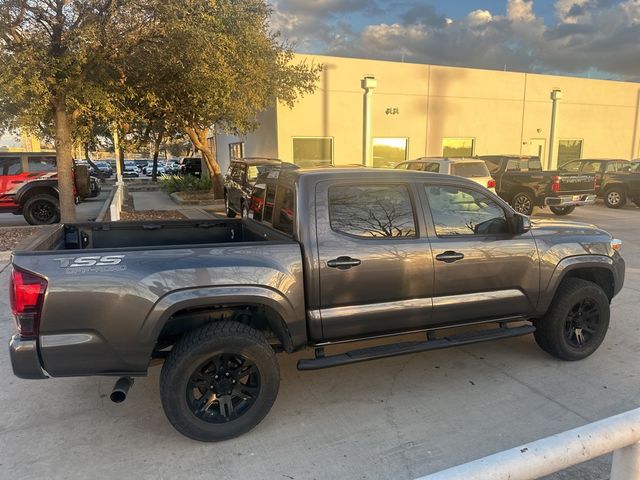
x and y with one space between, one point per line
481 270
374 260
12 176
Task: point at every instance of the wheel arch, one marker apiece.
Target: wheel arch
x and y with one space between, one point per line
25 194
598 269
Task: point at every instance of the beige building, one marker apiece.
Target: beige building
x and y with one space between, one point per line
429 110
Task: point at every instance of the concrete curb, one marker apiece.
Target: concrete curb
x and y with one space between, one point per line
177 197
104 211
5 256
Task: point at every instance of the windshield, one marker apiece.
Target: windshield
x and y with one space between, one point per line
470 169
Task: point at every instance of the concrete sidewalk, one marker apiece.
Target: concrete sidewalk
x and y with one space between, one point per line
159 200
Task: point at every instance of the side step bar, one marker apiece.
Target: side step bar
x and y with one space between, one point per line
391 350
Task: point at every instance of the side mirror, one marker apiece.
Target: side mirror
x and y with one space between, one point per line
521 223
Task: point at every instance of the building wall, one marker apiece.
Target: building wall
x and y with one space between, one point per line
505 112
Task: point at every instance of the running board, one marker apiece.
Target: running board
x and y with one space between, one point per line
391 350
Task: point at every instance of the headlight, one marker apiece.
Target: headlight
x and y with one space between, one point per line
616 244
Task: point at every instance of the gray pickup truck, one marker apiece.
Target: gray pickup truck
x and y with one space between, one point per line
338 255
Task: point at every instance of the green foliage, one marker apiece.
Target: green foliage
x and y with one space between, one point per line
185 183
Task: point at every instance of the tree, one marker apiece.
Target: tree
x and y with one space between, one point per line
215 62
58 64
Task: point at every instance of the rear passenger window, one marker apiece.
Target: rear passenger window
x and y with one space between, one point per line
372 211
270 198
41 164
462 211
285 218
11 166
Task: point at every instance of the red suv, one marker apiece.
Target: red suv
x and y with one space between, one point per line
29 186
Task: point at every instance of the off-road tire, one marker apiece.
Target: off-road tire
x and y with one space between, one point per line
551 330
34 210
615 197
562 210
523 202
194 349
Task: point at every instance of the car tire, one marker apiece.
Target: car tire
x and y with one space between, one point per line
615 197
41 210
523 202
228 357
563 210
577 321
230 213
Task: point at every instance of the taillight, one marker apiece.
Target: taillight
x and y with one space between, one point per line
26 292
491 183
556 184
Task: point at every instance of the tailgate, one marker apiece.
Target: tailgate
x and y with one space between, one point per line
577 183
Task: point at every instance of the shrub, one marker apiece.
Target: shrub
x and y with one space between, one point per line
185 183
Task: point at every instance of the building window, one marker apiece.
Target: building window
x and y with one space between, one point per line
458 147
569 149
236 150
312 151
388 152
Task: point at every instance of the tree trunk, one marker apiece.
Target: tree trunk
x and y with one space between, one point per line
198 137
156 152
64 152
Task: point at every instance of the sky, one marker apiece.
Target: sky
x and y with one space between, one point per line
591 38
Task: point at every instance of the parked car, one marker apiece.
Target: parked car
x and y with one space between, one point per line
172 168
521 181
141 163
616 179
29 186
148 169
191 166
130 170
473 169
104 168
239 182
94 187
345 251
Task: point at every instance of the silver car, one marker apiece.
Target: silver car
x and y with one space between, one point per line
470 168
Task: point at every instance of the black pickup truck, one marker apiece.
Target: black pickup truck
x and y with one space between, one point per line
617 180
521 181
341 255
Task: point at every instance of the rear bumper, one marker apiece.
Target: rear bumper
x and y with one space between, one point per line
570 200
24 358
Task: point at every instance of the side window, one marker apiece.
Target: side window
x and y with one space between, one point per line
571 167
286 211
535 165
624 166
591 167
611 167
11 166
403 166
269 201
372 211
41 164
513 165
462 211
432 167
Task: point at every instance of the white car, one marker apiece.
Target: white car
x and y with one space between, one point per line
148 169
470 168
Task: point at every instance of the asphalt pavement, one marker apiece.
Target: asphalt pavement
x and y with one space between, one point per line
397 418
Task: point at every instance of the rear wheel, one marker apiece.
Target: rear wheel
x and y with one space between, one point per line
562 210
42 210
522 202
219 381
615 197
577 321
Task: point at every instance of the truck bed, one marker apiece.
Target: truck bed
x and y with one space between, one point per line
149 234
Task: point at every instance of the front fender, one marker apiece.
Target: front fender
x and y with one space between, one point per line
291 330
568 264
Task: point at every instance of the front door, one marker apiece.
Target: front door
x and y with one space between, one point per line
481 270
374 260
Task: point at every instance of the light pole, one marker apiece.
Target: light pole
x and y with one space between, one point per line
368 84
552 163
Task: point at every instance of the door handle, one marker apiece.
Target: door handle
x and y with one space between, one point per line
449 256
343 263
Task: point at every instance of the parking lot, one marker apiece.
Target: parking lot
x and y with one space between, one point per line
396 418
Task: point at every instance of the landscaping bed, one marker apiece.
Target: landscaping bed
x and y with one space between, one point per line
151 215
12 236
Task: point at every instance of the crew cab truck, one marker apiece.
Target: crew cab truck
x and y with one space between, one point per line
346 254
521 181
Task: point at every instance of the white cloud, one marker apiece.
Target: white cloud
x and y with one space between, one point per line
479 17
520 11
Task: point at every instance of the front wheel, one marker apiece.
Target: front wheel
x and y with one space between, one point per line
563 210
42 210
522 202
219 381
577 321
615 198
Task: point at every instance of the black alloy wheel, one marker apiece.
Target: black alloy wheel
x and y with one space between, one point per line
223 388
